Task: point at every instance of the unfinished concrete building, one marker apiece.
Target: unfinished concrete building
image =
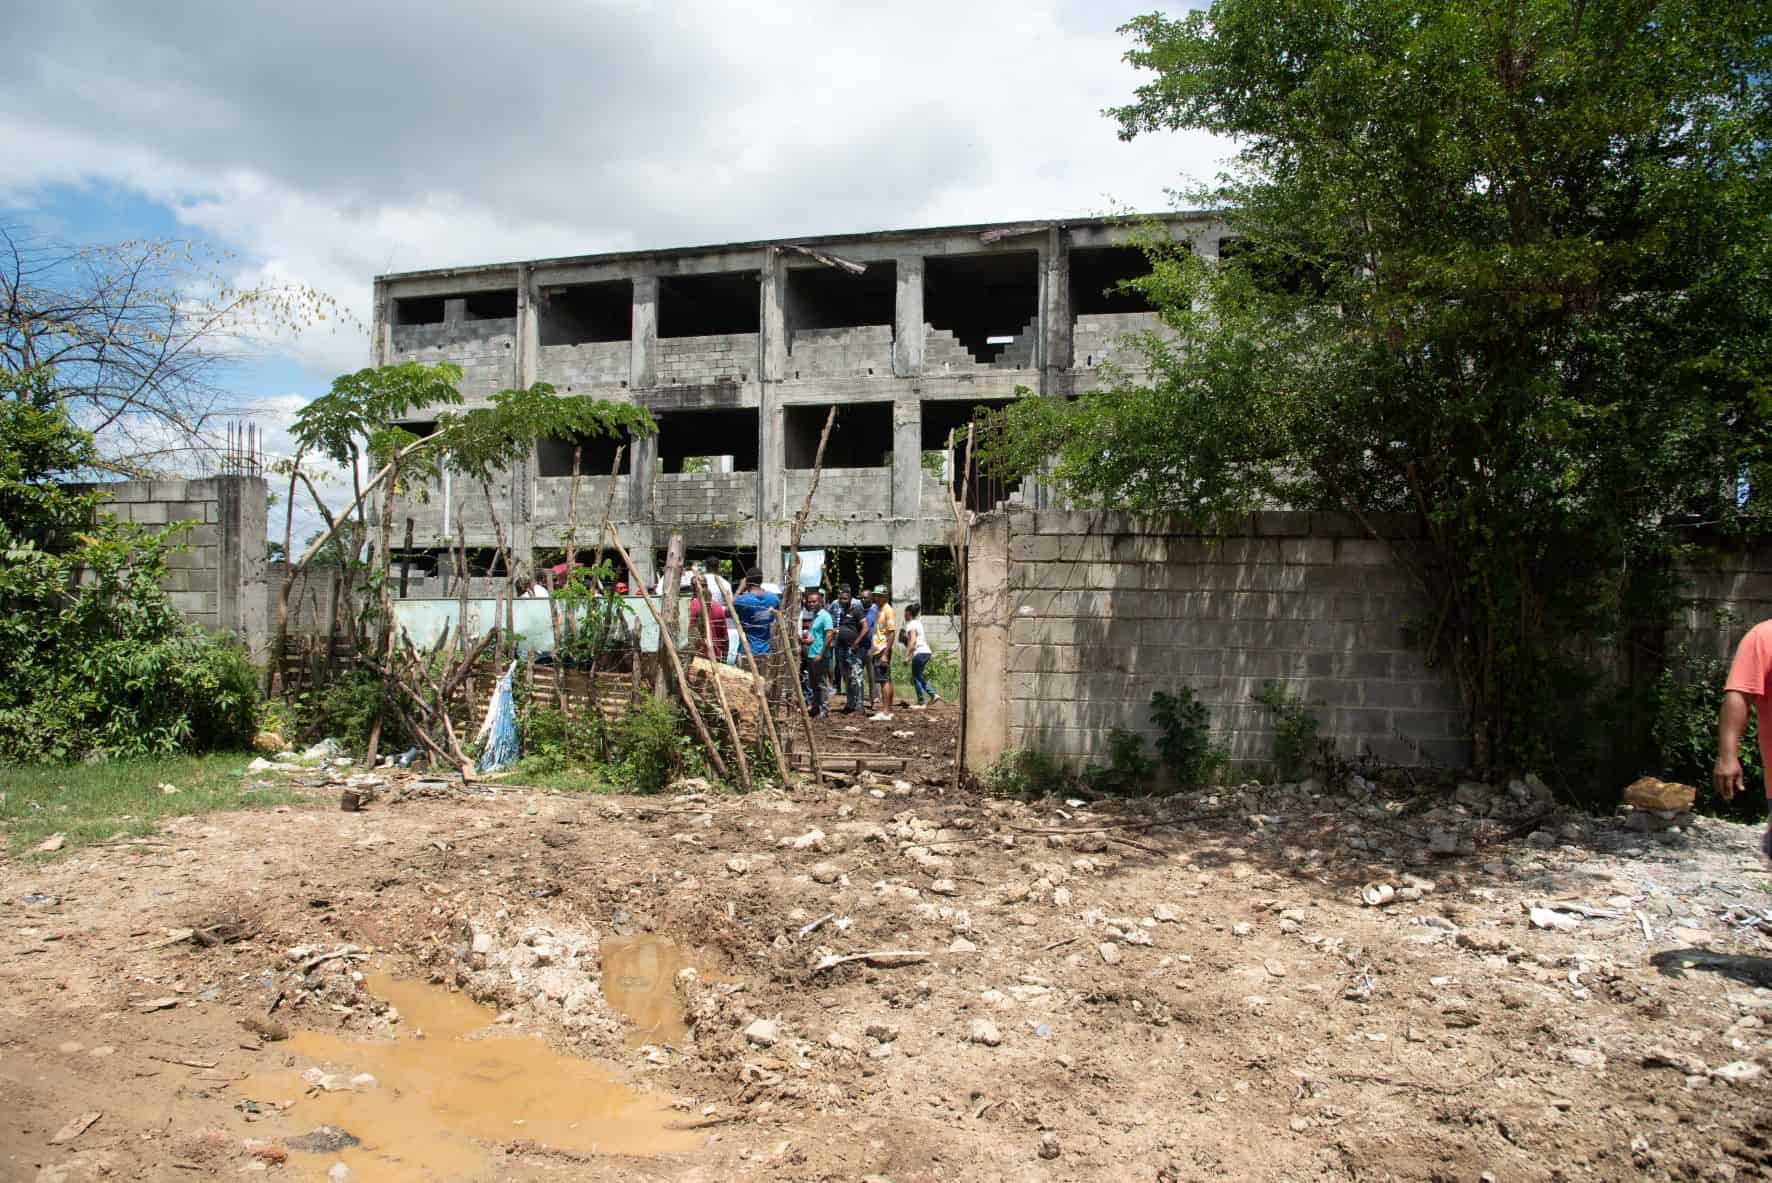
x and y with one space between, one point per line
739 352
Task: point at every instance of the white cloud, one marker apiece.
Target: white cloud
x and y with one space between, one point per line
328 142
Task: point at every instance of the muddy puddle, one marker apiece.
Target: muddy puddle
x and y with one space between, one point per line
640 981
440 1105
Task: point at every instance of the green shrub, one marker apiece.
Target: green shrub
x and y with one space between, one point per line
1687 698
96 660
1295 730
346 711
1185 742
1021 773
650 747
1128 769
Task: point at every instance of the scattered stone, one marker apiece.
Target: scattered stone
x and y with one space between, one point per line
807 840
1377 895
1164 914
1109 951
268 742
363 1081
763 1033
326 1139
266 1152
52 844
1653 794
1550 918
1684 1064
984 1031
1048 1145
826 873
266 1029
166 1003
1300 1124
1735 1072
737 865
1442 841
1585 1057
1274 968
882 1031
326 1082
943 887
75 1128
1242 928
838 1041
962 945
338 1173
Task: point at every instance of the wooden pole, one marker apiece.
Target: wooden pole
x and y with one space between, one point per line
962 560
667 594
700 592
793 589
763 708
670 648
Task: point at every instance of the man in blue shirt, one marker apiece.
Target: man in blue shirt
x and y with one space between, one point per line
865 647
756 611
818 630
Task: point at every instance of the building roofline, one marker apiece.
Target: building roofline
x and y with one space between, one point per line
820 240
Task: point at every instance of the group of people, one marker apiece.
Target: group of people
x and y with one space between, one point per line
846 646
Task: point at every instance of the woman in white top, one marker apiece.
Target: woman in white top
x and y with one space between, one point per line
916 640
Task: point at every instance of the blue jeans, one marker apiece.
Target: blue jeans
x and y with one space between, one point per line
917 682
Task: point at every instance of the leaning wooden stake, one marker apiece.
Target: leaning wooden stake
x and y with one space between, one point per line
670 648
700 591
763 707
793 589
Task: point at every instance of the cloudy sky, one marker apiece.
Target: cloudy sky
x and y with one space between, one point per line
322 143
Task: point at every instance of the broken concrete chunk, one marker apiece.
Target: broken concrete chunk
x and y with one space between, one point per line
984 1031
763 1033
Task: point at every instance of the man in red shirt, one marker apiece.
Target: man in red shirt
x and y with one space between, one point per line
1749 676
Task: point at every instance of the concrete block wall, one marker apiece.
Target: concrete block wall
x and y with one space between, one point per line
723 357
484 349
702 498
1102 609
844 494
1099 338
862 350
551 503
1726 592
218 581
575 367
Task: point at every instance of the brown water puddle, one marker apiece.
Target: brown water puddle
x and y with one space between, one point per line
435 1096
640 981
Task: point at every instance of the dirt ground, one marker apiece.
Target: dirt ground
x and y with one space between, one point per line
1174 989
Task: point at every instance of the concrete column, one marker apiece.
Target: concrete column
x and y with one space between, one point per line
241 601
455 311
907 458
773 347
528 349
904 584
986 660
907 318
381 333
1055 312
644 466
772 526
643 366
524 362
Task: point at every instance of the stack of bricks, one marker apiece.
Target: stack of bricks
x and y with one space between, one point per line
573 368
844 352
1106 608
723 357
704 498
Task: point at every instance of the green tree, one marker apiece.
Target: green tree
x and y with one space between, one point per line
1501 264
98 660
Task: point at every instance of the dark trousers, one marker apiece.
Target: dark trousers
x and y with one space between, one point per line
846 674
917 682
817 688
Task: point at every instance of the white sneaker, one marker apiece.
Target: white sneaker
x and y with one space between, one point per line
882 717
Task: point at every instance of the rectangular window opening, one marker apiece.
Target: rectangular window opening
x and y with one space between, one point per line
829 298
862 437
723 440
554 456
418 310
859 568
938 584
490 306
1098 276
583 313
708 305
986 301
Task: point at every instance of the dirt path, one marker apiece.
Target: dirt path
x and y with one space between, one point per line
1180 989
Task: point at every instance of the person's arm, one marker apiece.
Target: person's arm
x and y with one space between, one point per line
1726 777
